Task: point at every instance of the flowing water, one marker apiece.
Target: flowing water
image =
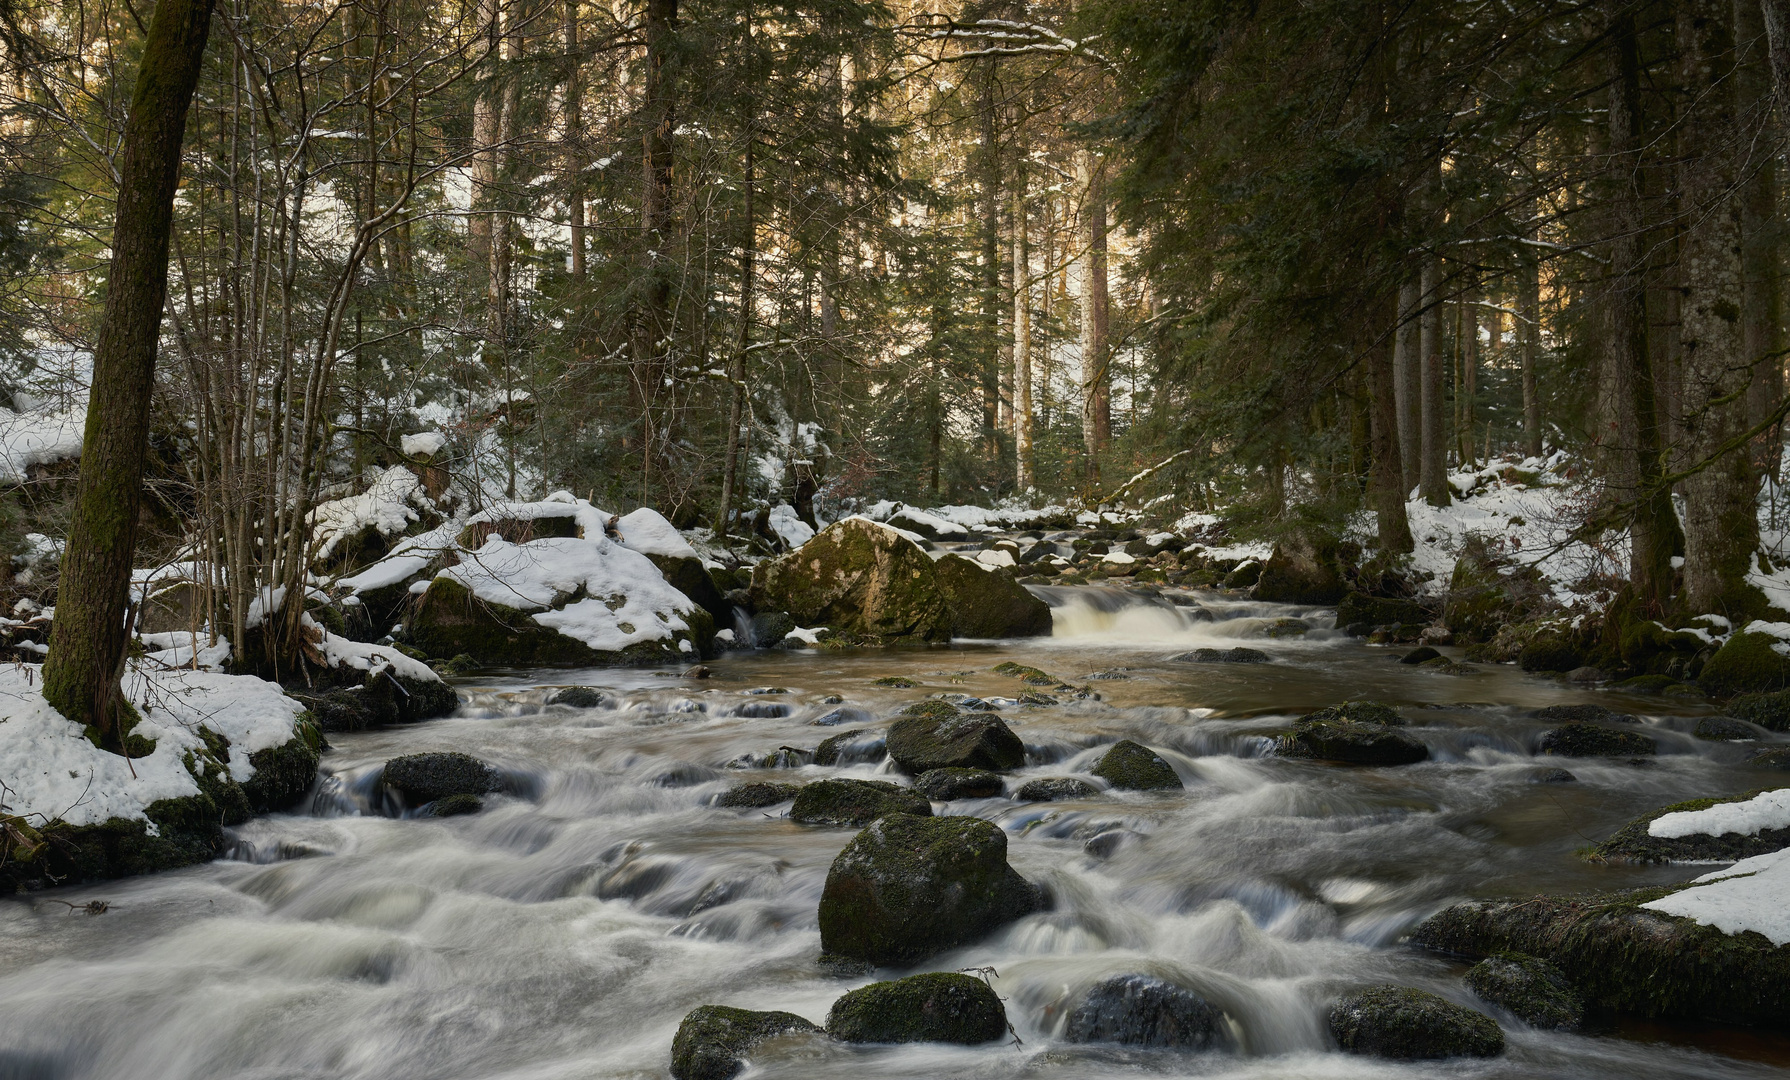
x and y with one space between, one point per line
565 931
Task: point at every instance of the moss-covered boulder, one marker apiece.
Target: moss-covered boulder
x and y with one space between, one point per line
1141 1010
1770 711
450 620
939 1006
986 602
1634 844
843 801
1748 663
1353 733
360 701
1306 567
907 888
758 793
581 697
1726 729
1237 655
1771 757
947 785
284 773
422 778
1595 740
956 740
713 1041
1412 1025
857 578
1488 592
1131 766
1531 989
852 747
1627 958
687 575
1055 789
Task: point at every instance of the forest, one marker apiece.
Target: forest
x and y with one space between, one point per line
453 453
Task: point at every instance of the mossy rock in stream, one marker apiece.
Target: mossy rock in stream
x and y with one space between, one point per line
932 708
1305 567
449 620
1772 757
423 778
1142 1010
1769 711
948 785
1583 714
860 579
1634 844
1727 729
1595 740
1055 789
939 1006
455 806
1130 766
284 773
1031 675
1533 990
985 602
919 744
907 888
1746 664
713 1041
1353 733
757 794
856 746
1412 1025
1628 958
843 801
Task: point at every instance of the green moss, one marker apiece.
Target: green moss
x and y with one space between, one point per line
921 743
1770 711
1634 844
1535 991
423 778
857 577
932 708
1354 733
756 794
938 1006
1130 766
713 1041
284 773
989 603
1412 1025
1031 675
1746 664
1593 740
900 682
856 803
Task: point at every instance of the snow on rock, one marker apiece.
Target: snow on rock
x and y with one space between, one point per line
389 506
53 773
790 528
1778 631
931 525
1770 810
422 444
1746 896
340 652
646 531
39 438
185 649
994 557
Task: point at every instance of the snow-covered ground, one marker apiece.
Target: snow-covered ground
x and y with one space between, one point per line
1750 895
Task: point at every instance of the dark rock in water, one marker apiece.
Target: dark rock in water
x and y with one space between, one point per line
762 710
1583 714
1130 766
1243 575
1535 991
759 793
1776 757
1110 842
1725 729
1591 740
1627 958
1238 655
1552 776
1355 733
713 1041
769 628
849 748
379 701
1306 567
1634 844
979 741
860 579
1418 656
968 703
908 887
1550 651
455 805
1055 789
854 802
1647 684
422 778
1138 1010
1769 711
945 785
581 697
939 1006
1412 1025
900 682
988 603
684 774
1373 611
836 717
285 773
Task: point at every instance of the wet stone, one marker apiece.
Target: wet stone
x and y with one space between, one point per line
1055 789
946 785
422 778
1776 757
762 710
1583 714
1533 990
849 748
1238 655
1633 843
1725 729
713 1041
581 697
967 741
1593 740
1552 776
1411 1025
455 805
938 1006
843 801
1418 656
1111 842
1130 766
1139 1010
759 793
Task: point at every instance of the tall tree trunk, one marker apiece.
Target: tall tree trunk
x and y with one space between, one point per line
1469 385
991 268
87 644
736 365
1432 474
1528 331
574 152
1097 417
652 315
1022 341
1720 523
1389 484
1761 304
487 114
1405 383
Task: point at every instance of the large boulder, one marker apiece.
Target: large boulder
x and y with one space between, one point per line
1635 843
451 619
1306 567
939 1006
1489 592
1359 609
422 778
842 801
1131 766
985 602
907 888
947 785
648 532
1533 990
1750 662
1140 1010
1770 711
713 1041
1354 733
1412 1025
860 579
954 740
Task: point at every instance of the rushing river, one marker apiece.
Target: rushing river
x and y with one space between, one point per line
565 931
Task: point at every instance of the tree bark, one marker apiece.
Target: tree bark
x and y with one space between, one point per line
1022 342
1389 486
1097 421
1761 306
1432 474
87 644
1405 350
487 110
736 365
574 155
1529 345
652 314
1468 385
991 269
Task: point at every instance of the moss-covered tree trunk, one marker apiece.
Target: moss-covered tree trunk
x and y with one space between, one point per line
87 646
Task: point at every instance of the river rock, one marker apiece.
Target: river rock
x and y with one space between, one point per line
1377 611
758 793
909 887
1354 733
956 741
1747 663
986 602
1583 714
1140 1010
946 785
1412 1025
1627 958
853 747
1131 766
857 578
1055 789
1726 729
1306 567
939 1006
713 1041
769 628
1634 844
1419 656
581 697
842 801
1535 991
1595 740
455 806
1769 711
422 778
1238 655
1774 757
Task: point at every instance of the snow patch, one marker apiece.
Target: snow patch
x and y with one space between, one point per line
422 444
1746 896
389 506
1770 810
646 531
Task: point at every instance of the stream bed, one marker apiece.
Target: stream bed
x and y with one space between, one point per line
566 930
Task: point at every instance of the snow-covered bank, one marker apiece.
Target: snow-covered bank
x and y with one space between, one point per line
1753 894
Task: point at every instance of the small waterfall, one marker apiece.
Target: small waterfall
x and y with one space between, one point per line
1138 617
